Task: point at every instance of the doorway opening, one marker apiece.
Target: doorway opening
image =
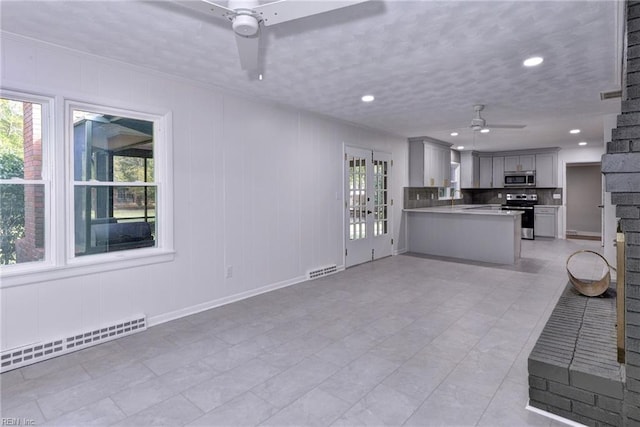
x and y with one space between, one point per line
584 201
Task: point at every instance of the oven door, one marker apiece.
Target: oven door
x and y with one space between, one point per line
528 219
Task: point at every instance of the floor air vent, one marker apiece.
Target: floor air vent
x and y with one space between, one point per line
324 271
17 357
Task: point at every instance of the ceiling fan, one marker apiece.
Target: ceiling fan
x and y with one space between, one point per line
478 123
248 16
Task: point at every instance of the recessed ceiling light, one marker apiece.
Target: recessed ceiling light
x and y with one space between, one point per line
368 98
582 143
460 147
574 131
454 133
533 61
485 130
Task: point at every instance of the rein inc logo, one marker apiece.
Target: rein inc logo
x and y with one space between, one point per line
6 421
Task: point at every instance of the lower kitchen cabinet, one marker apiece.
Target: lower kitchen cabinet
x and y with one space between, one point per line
545 221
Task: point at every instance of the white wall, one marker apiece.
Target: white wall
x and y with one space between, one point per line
257 187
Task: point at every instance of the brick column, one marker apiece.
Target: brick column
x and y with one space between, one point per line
621 166
31 246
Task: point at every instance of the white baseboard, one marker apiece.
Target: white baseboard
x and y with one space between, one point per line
554 416
194 309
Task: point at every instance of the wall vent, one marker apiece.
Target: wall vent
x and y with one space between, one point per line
18 357
323 271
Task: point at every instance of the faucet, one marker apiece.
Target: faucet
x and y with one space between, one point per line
453 196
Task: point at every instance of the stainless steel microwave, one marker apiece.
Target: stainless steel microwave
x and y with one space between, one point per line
520 179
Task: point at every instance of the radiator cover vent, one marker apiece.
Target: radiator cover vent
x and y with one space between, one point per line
17 357
323 271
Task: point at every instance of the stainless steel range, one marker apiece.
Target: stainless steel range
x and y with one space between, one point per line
524 203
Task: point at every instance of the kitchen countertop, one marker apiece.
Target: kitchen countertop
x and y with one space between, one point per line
493 210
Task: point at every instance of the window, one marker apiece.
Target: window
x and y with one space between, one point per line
453 191
381 199
66 211
24 179
114 195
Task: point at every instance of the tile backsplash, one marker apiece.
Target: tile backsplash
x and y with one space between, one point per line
424 197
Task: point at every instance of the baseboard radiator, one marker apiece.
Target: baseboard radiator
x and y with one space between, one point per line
322 271
33 353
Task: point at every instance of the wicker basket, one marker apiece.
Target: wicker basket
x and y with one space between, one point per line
590 288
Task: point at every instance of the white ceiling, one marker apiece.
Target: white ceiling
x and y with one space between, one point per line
426 62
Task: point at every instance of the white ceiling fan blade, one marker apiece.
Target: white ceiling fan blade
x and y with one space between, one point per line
506 126
288 10
248 50
208 8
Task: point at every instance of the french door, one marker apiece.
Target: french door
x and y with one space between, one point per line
367 205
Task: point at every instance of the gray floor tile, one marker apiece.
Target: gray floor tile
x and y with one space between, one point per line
293 352
316 408
141 396
176 411
450 406
287 386
406 338
383 406
505 409
220 389
47 385
358 378
28 414
102 412
420 375
244 410
184 355
83 394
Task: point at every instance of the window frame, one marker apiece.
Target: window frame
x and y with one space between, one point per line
47 179
164 238
60 259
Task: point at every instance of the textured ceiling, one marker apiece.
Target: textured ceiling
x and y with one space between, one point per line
426 62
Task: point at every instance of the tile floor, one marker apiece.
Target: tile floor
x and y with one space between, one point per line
405 340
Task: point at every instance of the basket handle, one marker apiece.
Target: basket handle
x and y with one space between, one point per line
591 252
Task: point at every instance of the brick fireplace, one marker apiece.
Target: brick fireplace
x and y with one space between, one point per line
621 167
574 369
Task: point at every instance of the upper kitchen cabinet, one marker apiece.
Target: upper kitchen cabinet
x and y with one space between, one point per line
486 172
523 162
429 162
498 172
547 170
469 169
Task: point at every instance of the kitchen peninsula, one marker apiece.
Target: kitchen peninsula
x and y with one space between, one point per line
472 232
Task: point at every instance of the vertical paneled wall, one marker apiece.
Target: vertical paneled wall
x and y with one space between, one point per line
258 195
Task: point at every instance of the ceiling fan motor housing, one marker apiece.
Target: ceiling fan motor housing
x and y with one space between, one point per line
245 25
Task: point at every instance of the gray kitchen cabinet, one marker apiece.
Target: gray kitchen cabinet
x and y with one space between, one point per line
498 172
469 170
486 172
547 170
523 162
545 221
429 163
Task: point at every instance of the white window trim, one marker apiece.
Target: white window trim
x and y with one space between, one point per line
60 260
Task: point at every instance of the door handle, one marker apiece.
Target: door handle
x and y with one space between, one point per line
369 212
